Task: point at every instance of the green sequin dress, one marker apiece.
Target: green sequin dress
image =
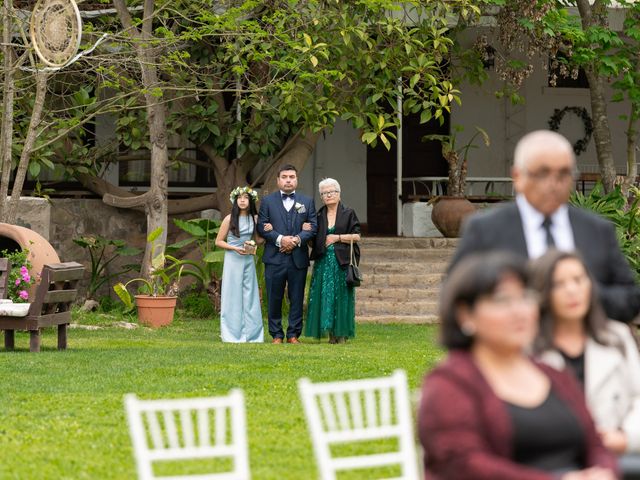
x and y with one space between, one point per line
331 303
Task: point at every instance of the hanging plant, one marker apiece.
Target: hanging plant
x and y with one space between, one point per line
581 144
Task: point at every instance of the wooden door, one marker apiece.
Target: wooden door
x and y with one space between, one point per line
419 159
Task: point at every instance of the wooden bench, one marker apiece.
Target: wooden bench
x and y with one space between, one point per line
5 269
51 306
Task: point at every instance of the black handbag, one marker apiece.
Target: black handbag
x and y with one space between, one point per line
354 277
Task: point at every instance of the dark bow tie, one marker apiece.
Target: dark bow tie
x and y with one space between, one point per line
288 195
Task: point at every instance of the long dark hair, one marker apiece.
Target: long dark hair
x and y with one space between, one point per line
234 221
476 276
595 321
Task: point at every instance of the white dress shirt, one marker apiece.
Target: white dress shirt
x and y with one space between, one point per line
287 202
288 205
534 233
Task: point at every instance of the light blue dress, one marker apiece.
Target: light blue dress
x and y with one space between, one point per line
240 315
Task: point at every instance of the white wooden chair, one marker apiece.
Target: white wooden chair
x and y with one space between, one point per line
360 411
189 429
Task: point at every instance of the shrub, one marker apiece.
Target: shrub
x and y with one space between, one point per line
623 212
20 279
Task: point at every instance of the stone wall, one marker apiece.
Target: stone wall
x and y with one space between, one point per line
62 220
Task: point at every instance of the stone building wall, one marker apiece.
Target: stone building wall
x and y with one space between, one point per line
62 220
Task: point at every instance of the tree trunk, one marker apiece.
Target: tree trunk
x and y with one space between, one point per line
155 201
632 141
29 142
7 106
297 154
592 15
601 131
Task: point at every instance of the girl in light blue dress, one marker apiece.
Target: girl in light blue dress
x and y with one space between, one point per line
240 313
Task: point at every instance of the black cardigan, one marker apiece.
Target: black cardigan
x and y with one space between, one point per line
346 222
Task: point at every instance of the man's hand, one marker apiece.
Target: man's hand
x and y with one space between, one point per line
287 244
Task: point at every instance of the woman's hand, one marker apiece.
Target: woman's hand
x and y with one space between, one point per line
306 226
240 250
593 473
268 227
331 239
614 440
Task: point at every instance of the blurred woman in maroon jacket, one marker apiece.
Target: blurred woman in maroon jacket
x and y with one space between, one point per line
489 411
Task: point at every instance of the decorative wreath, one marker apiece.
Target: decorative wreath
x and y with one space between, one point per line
554 123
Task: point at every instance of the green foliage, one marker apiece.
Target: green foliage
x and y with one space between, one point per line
102 252
197 304
20 280
246 77
202 234
109 305
163 279
624 214
456 156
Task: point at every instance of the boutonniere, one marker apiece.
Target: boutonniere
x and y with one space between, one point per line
299 208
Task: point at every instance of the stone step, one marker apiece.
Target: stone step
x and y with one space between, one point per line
409 242
430 268
424 280
402 278
373 294
428 307
405 319
375 255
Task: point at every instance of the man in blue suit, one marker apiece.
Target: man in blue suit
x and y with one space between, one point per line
286 255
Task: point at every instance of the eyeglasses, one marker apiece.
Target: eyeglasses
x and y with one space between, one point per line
329 193
558 176
528 298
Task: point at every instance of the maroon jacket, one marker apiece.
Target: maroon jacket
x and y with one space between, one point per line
466 430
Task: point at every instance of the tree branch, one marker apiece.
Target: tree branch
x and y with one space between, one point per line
125 17
127 202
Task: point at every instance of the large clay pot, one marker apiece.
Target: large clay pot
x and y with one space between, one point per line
41 253
449 212
155 312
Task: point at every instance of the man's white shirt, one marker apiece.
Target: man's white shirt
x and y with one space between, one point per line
288 205
534 233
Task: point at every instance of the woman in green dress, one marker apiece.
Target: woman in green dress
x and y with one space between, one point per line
331 304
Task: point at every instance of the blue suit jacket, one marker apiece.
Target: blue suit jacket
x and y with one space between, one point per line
272 211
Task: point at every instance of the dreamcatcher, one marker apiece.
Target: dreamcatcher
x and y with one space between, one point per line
56 29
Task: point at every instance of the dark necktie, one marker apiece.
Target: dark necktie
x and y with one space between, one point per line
287 195
546 224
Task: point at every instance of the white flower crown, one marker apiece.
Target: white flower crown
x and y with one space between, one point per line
242 190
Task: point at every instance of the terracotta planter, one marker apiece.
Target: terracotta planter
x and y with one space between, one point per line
14 237
449 212
155 312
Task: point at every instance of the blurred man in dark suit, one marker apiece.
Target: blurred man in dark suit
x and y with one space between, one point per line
544 173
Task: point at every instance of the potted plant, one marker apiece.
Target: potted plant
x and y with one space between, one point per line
449 211
157 302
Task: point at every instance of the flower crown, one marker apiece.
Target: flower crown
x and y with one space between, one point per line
242 190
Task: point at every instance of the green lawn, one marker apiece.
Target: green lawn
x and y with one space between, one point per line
62 415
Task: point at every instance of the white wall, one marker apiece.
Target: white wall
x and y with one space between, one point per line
342 156
506 123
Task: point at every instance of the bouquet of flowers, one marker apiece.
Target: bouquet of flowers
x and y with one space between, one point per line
250 247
